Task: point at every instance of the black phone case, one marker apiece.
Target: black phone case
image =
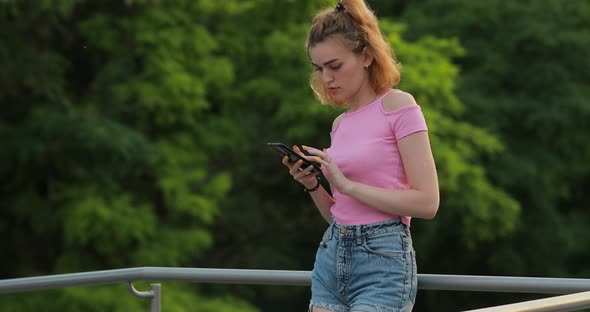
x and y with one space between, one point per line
293 156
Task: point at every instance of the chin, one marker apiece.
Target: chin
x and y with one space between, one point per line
339 100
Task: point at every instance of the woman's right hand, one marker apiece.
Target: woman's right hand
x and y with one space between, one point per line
301 175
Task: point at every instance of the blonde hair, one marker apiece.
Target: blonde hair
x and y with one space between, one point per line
355 23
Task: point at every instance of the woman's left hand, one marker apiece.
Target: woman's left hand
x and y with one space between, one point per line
331 171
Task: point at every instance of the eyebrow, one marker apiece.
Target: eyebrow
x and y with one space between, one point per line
326 63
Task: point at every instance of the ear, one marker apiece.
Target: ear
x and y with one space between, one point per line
367 56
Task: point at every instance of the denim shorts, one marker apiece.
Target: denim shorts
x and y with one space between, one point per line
369 267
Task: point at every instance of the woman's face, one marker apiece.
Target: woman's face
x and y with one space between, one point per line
342 71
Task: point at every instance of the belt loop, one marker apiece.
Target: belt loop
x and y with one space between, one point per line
358 235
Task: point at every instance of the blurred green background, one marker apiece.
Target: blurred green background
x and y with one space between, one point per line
132 134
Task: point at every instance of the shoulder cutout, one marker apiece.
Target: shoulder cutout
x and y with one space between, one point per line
396 100
337 122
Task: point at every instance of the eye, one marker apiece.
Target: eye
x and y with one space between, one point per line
319 69
336 67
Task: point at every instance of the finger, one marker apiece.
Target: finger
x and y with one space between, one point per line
295 168
286 162
313 174
327 158
307 170
315 151
309 157
320 160
305 173
297 150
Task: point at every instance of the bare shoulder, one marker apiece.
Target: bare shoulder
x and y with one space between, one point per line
396 100
337 121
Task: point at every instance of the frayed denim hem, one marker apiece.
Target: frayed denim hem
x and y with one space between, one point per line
327 306
371 308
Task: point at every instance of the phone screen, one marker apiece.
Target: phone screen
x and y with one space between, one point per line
293 156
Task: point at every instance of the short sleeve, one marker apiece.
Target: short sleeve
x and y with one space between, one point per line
407 120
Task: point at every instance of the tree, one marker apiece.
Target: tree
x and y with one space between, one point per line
135 133
523 79
105 156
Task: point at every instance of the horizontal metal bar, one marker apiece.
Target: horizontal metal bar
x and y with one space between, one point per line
565 303
195 275
511 284
295 278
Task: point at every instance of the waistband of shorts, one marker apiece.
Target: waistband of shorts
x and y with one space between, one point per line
354 231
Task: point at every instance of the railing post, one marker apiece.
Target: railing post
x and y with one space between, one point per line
154 294
156 299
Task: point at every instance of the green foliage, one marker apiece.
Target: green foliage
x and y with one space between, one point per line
106 143
88 220
484 212
175 297
133 134
288 113
523 78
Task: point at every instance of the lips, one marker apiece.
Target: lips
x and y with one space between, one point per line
332 89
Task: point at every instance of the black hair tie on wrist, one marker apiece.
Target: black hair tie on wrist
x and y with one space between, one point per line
339 7
315 188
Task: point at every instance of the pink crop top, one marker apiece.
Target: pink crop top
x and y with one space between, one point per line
364 146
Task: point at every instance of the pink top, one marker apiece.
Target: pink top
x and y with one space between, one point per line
364 146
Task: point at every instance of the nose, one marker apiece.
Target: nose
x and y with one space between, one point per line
327 76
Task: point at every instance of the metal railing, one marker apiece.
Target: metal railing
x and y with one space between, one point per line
538 285
564 303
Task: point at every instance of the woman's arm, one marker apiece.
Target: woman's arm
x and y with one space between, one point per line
320 197
422 199
324 202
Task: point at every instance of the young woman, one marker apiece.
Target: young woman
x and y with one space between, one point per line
379 165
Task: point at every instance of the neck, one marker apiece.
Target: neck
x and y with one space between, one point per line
362 98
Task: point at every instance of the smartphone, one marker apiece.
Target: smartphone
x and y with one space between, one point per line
293 156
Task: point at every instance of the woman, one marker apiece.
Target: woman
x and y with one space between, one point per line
379 165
